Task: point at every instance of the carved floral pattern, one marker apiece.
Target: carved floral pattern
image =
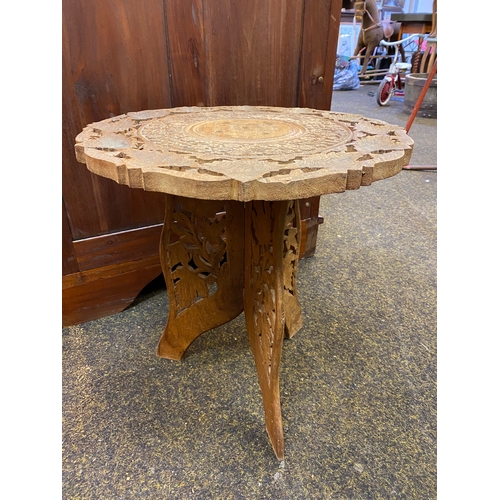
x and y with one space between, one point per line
291 249
244 152
196 251
264 282
273 273
222 134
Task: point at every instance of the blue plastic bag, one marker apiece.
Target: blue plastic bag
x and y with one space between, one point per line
346 74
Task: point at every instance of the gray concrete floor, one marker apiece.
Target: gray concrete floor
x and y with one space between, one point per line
358 381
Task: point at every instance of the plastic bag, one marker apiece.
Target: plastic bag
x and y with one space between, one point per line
346 74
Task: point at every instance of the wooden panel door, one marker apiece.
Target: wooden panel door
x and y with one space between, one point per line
127 56
114 60
252 52
320 35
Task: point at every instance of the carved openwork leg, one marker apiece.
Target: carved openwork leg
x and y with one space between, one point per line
271 306
201 252
291 252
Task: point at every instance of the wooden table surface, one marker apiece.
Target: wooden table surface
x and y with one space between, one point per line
243 153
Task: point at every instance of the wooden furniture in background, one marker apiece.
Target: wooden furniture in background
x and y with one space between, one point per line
429 56
252 165
413 23
122 57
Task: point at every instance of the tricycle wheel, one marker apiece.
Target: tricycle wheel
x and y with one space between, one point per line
384 92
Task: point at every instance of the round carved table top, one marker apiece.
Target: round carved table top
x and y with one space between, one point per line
243 152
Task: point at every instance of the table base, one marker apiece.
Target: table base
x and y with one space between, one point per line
220 258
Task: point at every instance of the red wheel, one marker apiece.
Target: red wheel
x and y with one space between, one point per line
384 92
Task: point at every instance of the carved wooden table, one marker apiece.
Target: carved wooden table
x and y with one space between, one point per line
233 177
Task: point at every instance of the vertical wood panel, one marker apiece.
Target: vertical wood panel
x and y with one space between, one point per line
114 61
69 262
252 52
319 46
187 52
118 58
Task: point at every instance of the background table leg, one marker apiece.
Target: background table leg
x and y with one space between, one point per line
201 252
271 233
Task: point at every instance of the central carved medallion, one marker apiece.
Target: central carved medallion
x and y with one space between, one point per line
246 133
241 129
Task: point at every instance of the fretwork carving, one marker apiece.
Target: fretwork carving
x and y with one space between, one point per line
244 153
291 246
201 254
196 250
272 236
265 283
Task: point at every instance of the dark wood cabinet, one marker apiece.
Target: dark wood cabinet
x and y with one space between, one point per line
129 56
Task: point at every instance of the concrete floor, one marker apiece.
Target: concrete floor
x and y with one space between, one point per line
358 381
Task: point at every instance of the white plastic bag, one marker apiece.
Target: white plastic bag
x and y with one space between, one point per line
346 74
